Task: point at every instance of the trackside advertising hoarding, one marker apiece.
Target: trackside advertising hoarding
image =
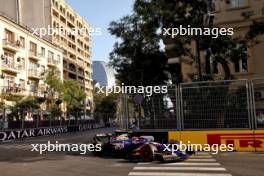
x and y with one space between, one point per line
27 133
242 140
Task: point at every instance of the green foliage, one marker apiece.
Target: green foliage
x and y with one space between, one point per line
52 79
158 14
105 106
67 91
136 54
73 95
28 103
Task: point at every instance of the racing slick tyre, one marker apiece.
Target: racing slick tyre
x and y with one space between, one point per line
147 152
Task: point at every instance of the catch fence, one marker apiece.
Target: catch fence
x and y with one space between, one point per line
222 105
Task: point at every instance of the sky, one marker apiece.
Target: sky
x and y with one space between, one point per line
99 14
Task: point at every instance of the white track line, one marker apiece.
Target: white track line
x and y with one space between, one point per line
202 153
182 168
174 174
202 159
144 163
201 156
192 164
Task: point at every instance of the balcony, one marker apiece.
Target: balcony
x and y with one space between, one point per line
72 68
81 72
37 93
89 87
13 90
8 66
34 74
10 45
33 55
52 62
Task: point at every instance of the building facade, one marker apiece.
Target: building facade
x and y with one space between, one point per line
233 14
25 58
57 14
103 74
228 14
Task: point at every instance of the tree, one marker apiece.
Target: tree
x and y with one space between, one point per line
52 79
136 54
54 91
105 106
67 91
74 97
24 105
159 14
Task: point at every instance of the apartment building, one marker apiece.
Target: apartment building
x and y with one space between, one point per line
57 14
233 14
24 59
228 14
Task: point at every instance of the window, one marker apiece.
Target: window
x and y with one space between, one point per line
9 59
211 5
9 81
33 86
22 83
58 58
42 51
21 63
237 3
33 48
22 41
42 69
9 36
33 66
241 64
51 55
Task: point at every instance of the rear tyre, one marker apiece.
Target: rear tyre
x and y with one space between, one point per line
147 152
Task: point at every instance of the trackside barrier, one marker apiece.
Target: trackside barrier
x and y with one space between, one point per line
9 135
208 105
242 140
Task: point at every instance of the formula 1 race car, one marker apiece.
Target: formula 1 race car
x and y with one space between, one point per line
142 148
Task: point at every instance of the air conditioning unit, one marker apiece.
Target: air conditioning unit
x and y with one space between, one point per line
18 43
3 57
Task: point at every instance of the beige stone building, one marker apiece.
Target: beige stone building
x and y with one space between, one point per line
57 14
230 14
24 60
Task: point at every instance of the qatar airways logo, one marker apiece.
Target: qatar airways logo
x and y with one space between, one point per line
19 134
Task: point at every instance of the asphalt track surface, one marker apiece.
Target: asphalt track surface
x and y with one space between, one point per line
17 159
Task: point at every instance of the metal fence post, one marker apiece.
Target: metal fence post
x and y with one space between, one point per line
126 112
23 120
49 120
253 107
60 121
38 117
154 113
249 105
3 120
178 107
181 108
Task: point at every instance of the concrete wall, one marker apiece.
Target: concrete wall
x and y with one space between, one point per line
42 14
9 8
